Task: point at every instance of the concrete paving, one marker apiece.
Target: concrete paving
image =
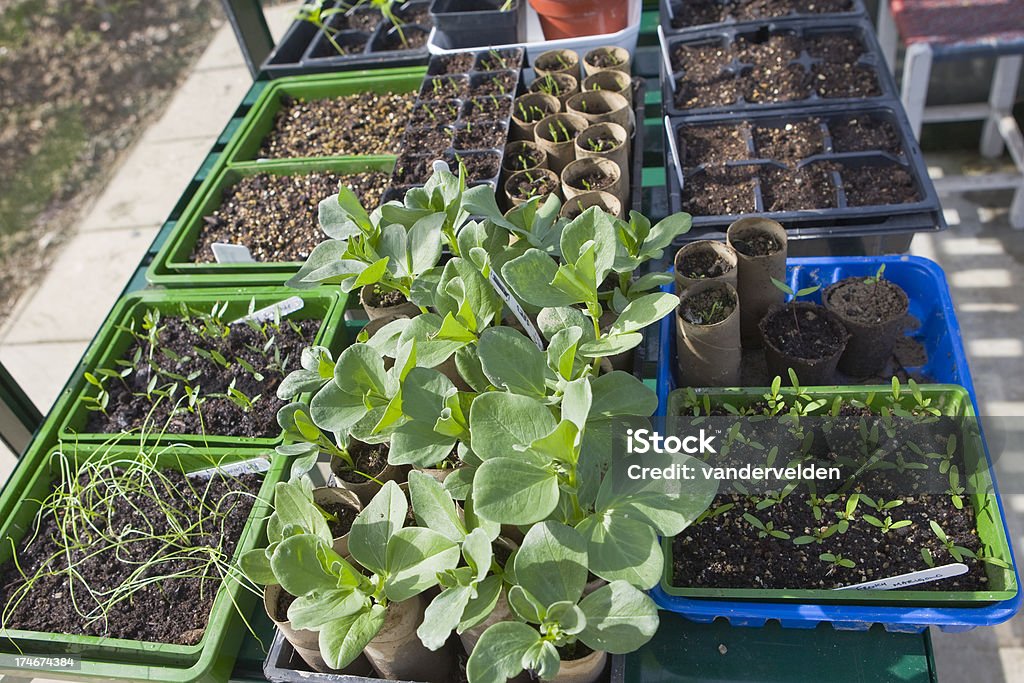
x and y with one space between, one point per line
982 255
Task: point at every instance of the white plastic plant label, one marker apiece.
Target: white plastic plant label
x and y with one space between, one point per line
253 466
231 253
516 309
282 308
911 579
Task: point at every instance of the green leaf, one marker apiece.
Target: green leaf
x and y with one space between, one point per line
611 345
337 410
622 548
300 564
360 369
620 618
415 556
335 221
644 311
476 548
513 362
559 445
479 608
568 616
552 563
349 202
577 398
375 525
512 491
327 264
498 655
620 393
501 422
434 507
313 610
443 615
419 445
561 353
542 659
592 226
529 277
342 640
551 321
525 606
293 504
425 243
372 275
665 232
256 566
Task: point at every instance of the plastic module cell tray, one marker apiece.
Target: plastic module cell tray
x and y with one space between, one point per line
712 14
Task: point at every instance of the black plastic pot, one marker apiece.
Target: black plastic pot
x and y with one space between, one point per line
475 23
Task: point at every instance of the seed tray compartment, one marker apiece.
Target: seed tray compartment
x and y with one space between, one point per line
739 77
670 15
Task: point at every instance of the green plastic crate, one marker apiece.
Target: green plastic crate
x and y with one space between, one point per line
953 401
325 303
212 659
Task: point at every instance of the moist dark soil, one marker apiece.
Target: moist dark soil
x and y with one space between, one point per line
845 80
538 187
791 142
379 297
876 185
785 83
480 166
362 19
863 133
550 85
490 108
496 60
411 169
523 161
343 518
370 459
720 192
603 60
454 64
602 143
835 48
435 113
556 62
707 307
275 216
366 123
697 12
570 653
444 87
418 15
429 140
703 263
594 180
130 409
808 334
701 63
483 135
172 610
807 188
866 302
349 44
712 145
495 83
756 244
411 38
767 49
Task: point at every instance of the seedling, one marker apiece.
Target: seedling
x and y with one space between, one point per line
587 185
819 535
816 503
881 504
835 561
711 513
955 490
848 513
786 289
886 525
957 551
775 497
765 530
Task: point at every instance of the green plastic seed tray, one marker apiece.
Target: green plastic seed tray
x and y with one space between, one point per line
172 267
953 401
115 659
113 341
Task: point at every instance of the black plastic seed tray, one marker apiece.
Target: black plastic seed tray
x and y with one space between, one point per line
773 65
780 163
685 16
283 665
305 49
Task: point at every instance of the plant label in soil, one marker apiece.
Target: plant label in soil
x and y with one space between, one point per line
231 253
235 469
516 309
946 571
281 308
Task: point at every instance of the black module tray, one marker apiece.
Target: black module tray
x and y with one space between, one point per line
305 49
827 146
772 65
283 665
683 16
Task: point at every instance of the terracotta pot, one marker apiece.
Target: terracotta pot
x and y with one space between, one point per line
516 177
709 355
396 651
563 152
605 131
373 312
602 106
521 128
582 202
574 18
557 62
700 250
809 371
619 55
871 340
305 642
365 491
574 173
754 273
584 670
611 80
562 86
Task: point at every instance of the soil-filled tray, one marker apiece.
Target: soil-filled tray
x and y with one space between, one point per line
365 38
201 641
185 367
911 492
680 16
772 65
269 208
344 115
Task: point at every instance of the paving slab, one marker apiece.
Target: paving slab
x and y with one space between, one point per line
42 369
201 107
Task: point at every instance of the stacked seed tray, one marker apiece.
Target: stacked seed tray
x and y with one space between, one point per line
795 119
462 114
353 38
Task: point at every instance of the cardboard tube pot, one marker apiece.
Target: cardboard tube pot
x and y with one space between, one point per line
708 349
521 155
370 299
602 106
789 322
561 151
611 80
364 488
605 141
396 652
581 202
330 498
557 62
519 180
574 179
528 109
704 260
583 670
306 643
760 245
562 86
610 58
574 18
874 312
